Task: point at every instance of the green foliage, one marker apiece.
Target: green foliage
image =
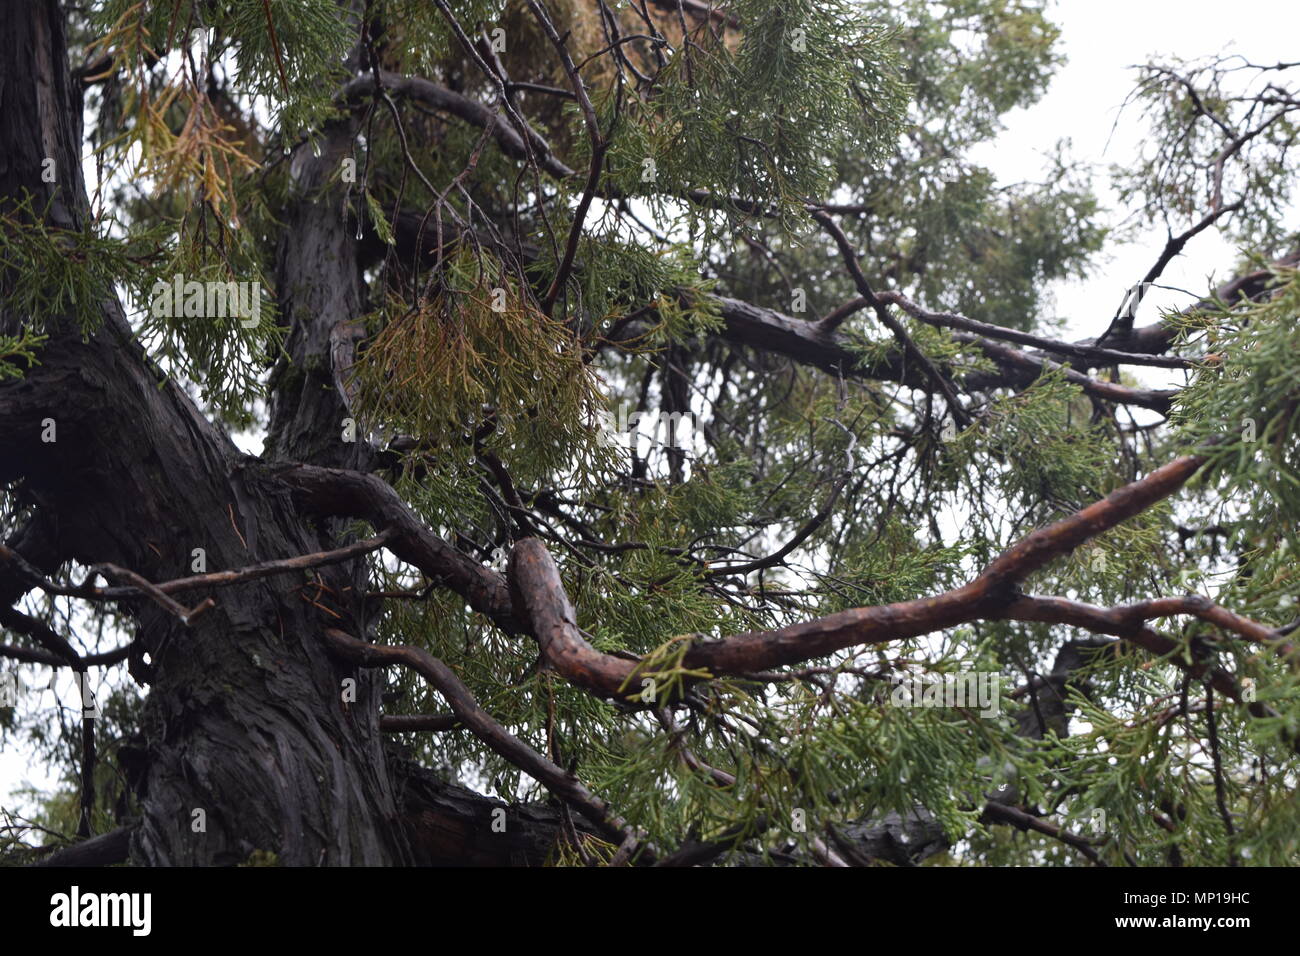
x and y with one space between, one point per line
1007 55
1243 406
615 275
892 565
56 274
224 344
478 353
21 347
763 123
938 225
284 53
1045 447
51 275
713 156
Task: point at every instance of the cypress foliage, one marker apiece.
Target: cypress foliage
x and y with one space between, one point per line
552 343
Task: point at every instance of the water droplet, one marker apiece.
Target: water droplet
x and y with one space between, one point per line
287 149
315 148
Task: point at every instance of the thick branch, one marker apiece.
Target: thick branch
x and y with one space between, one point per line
334 491
539 592
812 344
103 850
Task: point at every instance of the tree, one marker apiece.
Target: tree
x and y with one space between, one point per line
667 452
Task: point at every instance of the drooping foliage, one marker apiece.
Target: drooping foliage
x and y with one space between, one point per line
551 346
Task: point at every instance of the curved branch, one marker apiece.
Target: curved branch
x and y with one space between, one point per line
502 130
534 601
540 594
479 722
339 492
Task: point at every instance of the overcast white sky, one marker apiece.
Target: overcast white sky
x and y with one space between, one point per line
1102 39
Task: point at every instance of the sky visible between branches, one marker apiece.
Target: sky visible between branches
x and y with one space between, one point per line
1102 40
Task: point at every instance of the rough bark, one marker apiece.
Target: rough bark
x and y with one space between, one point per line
243 717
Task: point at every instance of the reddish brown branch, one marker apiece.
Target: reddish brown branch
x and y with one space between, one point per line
536 586
275 46
336 491
182 613
539 593
1061 537
535 600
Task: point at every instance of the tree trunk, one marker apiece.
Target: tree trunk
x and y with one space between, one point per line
244 718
